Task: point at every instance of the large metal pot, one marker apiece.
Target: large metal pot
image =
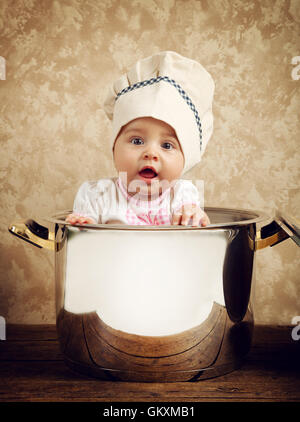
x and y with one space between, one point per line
166 303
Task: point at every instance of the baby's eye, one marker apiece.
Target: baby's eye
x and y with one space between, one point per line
137 141
167 145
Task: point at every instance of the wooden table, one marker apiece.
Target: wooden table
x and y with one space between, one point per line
32 369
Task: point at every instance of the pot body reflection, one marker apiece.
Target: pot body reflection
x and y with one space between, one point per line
156 304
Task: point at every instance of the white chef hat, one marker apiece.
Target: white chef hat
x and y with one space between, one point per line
171 88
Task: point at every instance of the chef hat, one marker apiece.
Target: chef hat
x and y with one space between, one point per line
171 88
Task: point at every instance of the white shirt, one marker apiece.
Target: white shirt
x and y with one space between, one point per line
107 199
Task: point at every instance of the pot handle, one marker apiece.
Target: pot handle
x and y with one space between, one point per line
34 233
282 228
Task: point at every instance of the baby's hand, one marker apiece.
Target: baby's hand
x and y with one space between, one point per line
79 219
190 211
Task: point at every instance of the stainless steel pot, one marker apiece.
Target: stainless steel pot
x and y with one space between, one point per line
166 303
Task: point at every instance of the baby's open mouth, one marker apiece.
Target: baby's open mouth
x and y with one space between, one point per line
148 173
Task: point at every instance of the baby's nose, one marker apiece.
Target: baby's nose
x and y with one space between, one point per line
150 155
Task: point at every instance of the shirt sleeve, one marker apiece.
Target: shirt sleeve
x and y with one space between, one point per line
185 192
85 203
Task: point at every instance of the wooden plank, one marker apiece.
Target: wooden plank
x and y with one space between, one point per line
20 332
263 334
30 350
32 369
30 342
275 334
53 381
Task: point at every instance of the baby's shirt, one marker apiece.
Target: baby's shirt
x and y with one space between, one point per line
107 199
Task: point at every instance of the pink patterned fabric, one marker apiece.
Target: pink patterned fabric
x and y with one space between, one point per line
154 214
108 200
150 218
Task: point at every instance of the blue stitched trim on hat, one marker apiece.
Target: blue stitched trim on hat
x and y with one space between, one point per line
179 89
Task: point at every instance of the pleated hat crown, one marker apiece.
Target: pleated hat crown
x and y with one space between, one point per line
171 88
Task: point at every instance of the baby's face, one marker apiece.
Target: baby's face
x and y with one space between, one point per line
148 150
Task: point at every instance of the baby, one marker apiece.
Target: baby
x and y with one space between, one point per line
162 120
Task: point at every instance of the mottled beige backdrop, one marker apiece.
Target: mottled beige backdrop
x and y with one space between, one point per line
60 57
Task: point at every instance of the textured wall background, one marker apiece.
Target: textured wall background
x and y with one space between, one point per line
60 56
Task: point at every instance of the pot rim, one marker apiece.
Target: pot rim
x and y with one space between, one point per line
254 217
